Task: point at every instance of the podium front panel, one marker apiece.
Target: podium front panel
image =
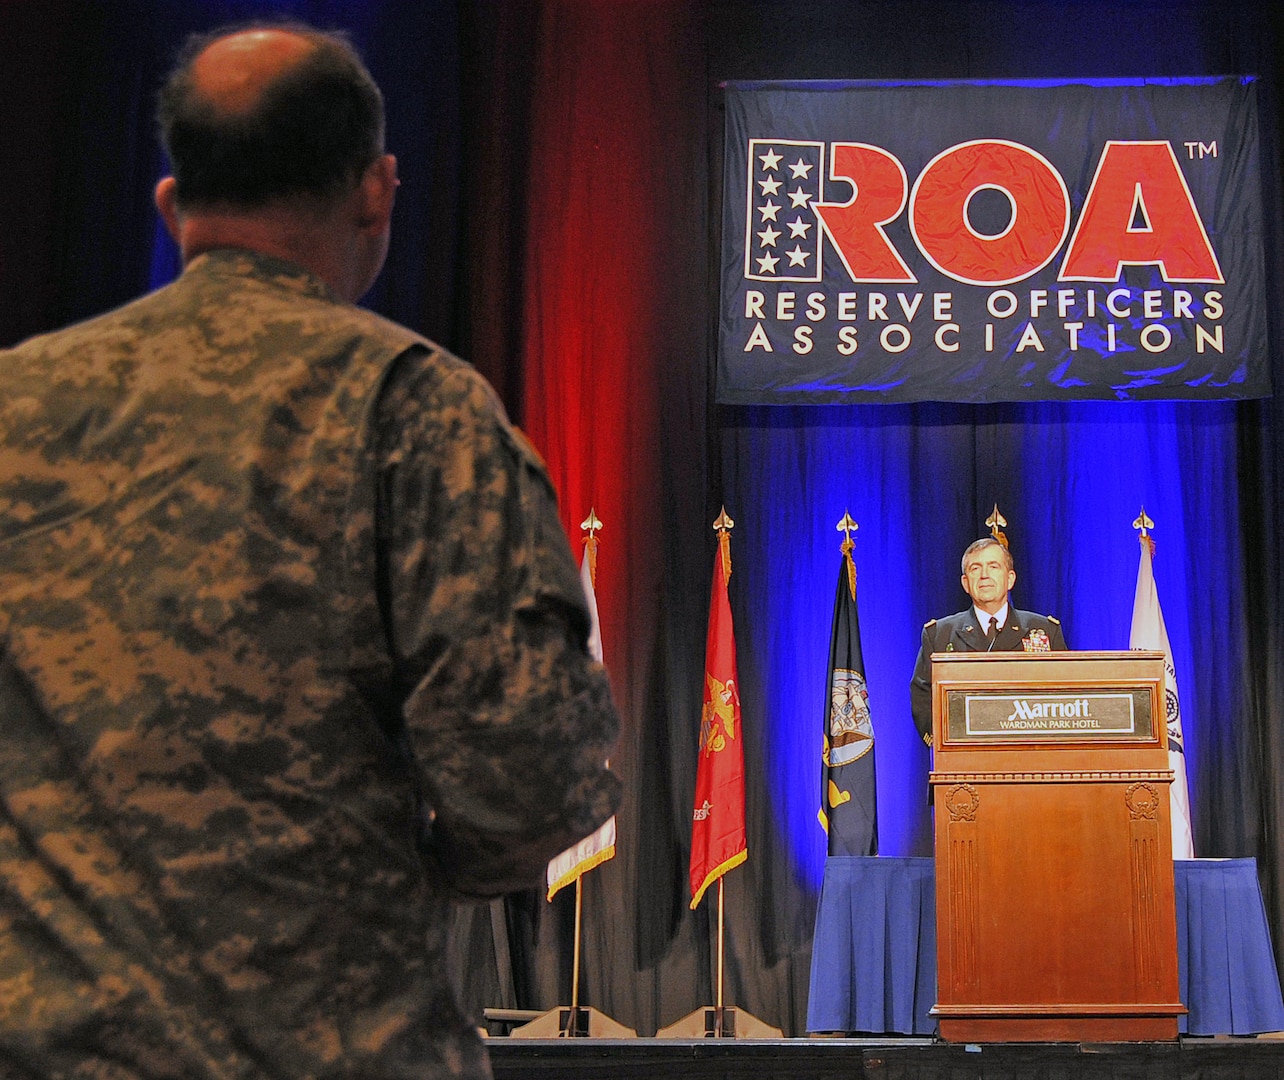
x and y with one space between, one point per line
1055 916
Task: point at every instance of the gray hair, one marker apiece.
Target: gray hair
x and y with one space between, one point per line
984 542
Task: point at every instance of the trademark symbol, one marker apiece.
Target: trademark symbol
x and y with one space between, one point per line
1196 149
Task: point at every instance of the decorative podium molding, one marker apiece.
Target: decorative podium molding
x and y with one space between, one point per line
1135 776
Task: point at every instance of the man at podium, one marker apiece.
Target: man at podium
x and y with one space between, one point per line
989 625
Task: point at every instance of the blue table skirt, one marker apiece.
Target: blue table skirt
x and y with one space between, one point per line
873 965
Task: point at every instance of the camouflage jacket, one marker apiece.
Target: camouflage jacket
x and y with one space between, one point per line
293 648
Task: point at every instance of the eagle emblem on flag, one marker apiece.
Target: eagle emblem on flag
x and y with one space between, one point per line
718 718
851 732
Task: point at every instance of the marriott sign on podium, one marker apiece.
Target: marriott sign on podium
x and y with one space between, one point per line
992 242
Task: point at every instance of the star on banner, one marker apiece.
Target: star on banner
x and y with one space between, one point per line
769 186
799 169
770 160
769 236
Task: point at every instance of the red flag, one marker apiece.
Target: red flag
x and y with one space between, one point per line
718 824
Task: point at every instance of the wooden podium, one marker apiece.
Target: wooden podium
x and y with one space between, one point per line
1054 873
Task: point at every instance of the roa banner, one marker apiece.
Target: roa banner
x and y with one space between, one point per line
992 242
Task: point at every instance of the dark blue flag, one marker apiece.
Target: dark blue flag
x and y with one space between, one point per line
848 802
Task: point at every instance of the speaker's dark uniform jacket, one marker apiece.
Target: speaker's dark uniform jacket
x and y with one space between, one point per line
1024 631
278 583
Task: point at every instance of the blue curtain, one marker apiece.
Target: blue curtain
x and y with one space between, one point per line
921 481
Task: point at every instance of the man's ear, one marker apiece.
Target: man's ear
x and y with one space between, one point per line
1011 579
377 193
166 198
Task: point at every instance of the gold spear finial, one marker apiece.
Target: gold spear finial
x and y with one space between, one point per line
723 527
845 527
1144 523
591 525
995 521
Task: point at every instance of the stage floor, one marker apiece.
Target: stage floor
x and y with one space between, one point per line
882 1059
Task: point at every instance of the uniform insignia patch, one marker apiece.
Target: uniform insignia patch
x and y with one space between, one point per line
1036 641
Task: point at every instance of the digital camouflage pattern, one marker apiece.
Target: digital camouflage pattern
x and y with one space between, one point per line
278 584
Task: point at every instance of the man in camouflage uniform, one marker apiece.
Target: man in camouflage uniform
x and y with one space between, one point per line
293 643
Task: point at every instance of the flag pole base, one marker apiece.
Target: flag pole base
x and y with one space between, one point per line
573 1022
705 1023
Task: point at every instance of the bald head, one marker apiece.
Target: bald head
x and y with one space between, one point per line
265 115
232 73
275 137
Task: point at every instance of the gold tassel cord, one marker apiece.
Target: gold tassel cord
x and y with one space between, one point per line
846 527
723 526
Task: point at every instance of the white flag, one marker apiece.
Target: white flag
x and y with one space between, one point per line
593 850
1148 632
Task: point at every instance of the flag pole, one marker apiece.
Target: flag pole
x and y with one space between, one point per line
845 526
590 525
1148 632
720 732
718 1002
1145 524
576 1021
722 527
848 810
996 521
575 961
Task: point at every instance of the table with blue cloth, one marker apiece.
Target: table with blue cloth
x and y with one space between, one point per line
873 967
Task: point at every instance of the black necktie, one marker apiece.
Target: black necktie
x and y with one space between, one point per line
992 630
